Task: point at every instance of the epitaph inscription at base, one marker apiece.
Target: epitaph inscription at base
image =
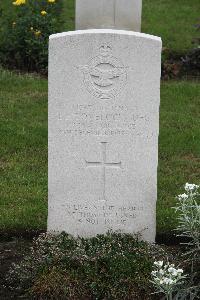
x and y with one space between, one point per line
103 132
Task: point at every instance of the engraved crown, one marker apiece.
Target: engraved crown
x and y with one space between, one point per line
105 50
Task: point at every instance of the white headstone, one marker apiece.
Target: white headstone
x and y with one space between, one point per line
115 14
104 94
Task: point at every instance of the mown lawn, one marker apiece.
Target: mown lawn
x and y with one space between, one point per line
23 152
179 146
173 20
23 149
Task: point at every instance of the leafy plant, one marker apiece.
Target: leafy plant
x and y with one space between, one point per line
166 278
28 27
191 61
188 209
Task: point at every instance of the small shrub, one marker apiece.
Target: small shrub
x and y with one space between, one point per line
191 62
112 266
188 210
170 280
167 279
25 31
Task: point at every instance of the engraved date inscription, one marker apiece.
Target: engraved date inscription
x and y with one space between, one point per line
102 214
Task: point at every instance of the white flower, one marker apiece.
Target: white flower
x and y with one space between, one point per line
168 281
171 270
166 277
158 263
174 271
180 271
154 273
161 271
189 187
183 197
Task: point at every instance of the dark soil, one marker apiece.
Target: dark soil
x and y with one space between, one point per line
10 252
181 65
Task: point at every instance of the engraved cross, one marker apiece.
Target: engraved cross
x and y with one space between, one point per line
103 164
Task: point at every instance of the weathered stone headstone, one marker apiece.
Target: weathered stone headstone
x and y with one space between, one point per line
104 92
115 14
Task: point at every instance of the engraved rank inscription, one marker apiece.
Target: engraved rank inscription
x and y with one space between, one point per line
105 75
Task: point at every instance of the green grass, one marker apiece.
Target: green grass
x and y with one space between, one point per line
179 146
173 20
23 149
23 152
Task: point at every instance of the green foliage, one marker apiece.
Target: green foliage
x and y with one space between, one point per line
25 32
191 62
112 266
167 279
188 214
188 209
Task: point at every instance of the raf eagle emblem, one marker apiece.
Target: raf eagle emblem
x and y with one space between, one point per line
105 75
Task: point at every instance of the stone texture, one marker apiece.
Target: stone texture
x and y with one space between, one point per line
115 14
104 92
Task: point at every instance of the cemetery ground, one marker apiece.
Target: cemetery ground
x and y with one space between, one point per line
24 164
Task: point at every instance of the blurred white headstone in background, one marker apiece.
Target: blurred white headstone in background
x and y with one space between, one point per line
112 14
